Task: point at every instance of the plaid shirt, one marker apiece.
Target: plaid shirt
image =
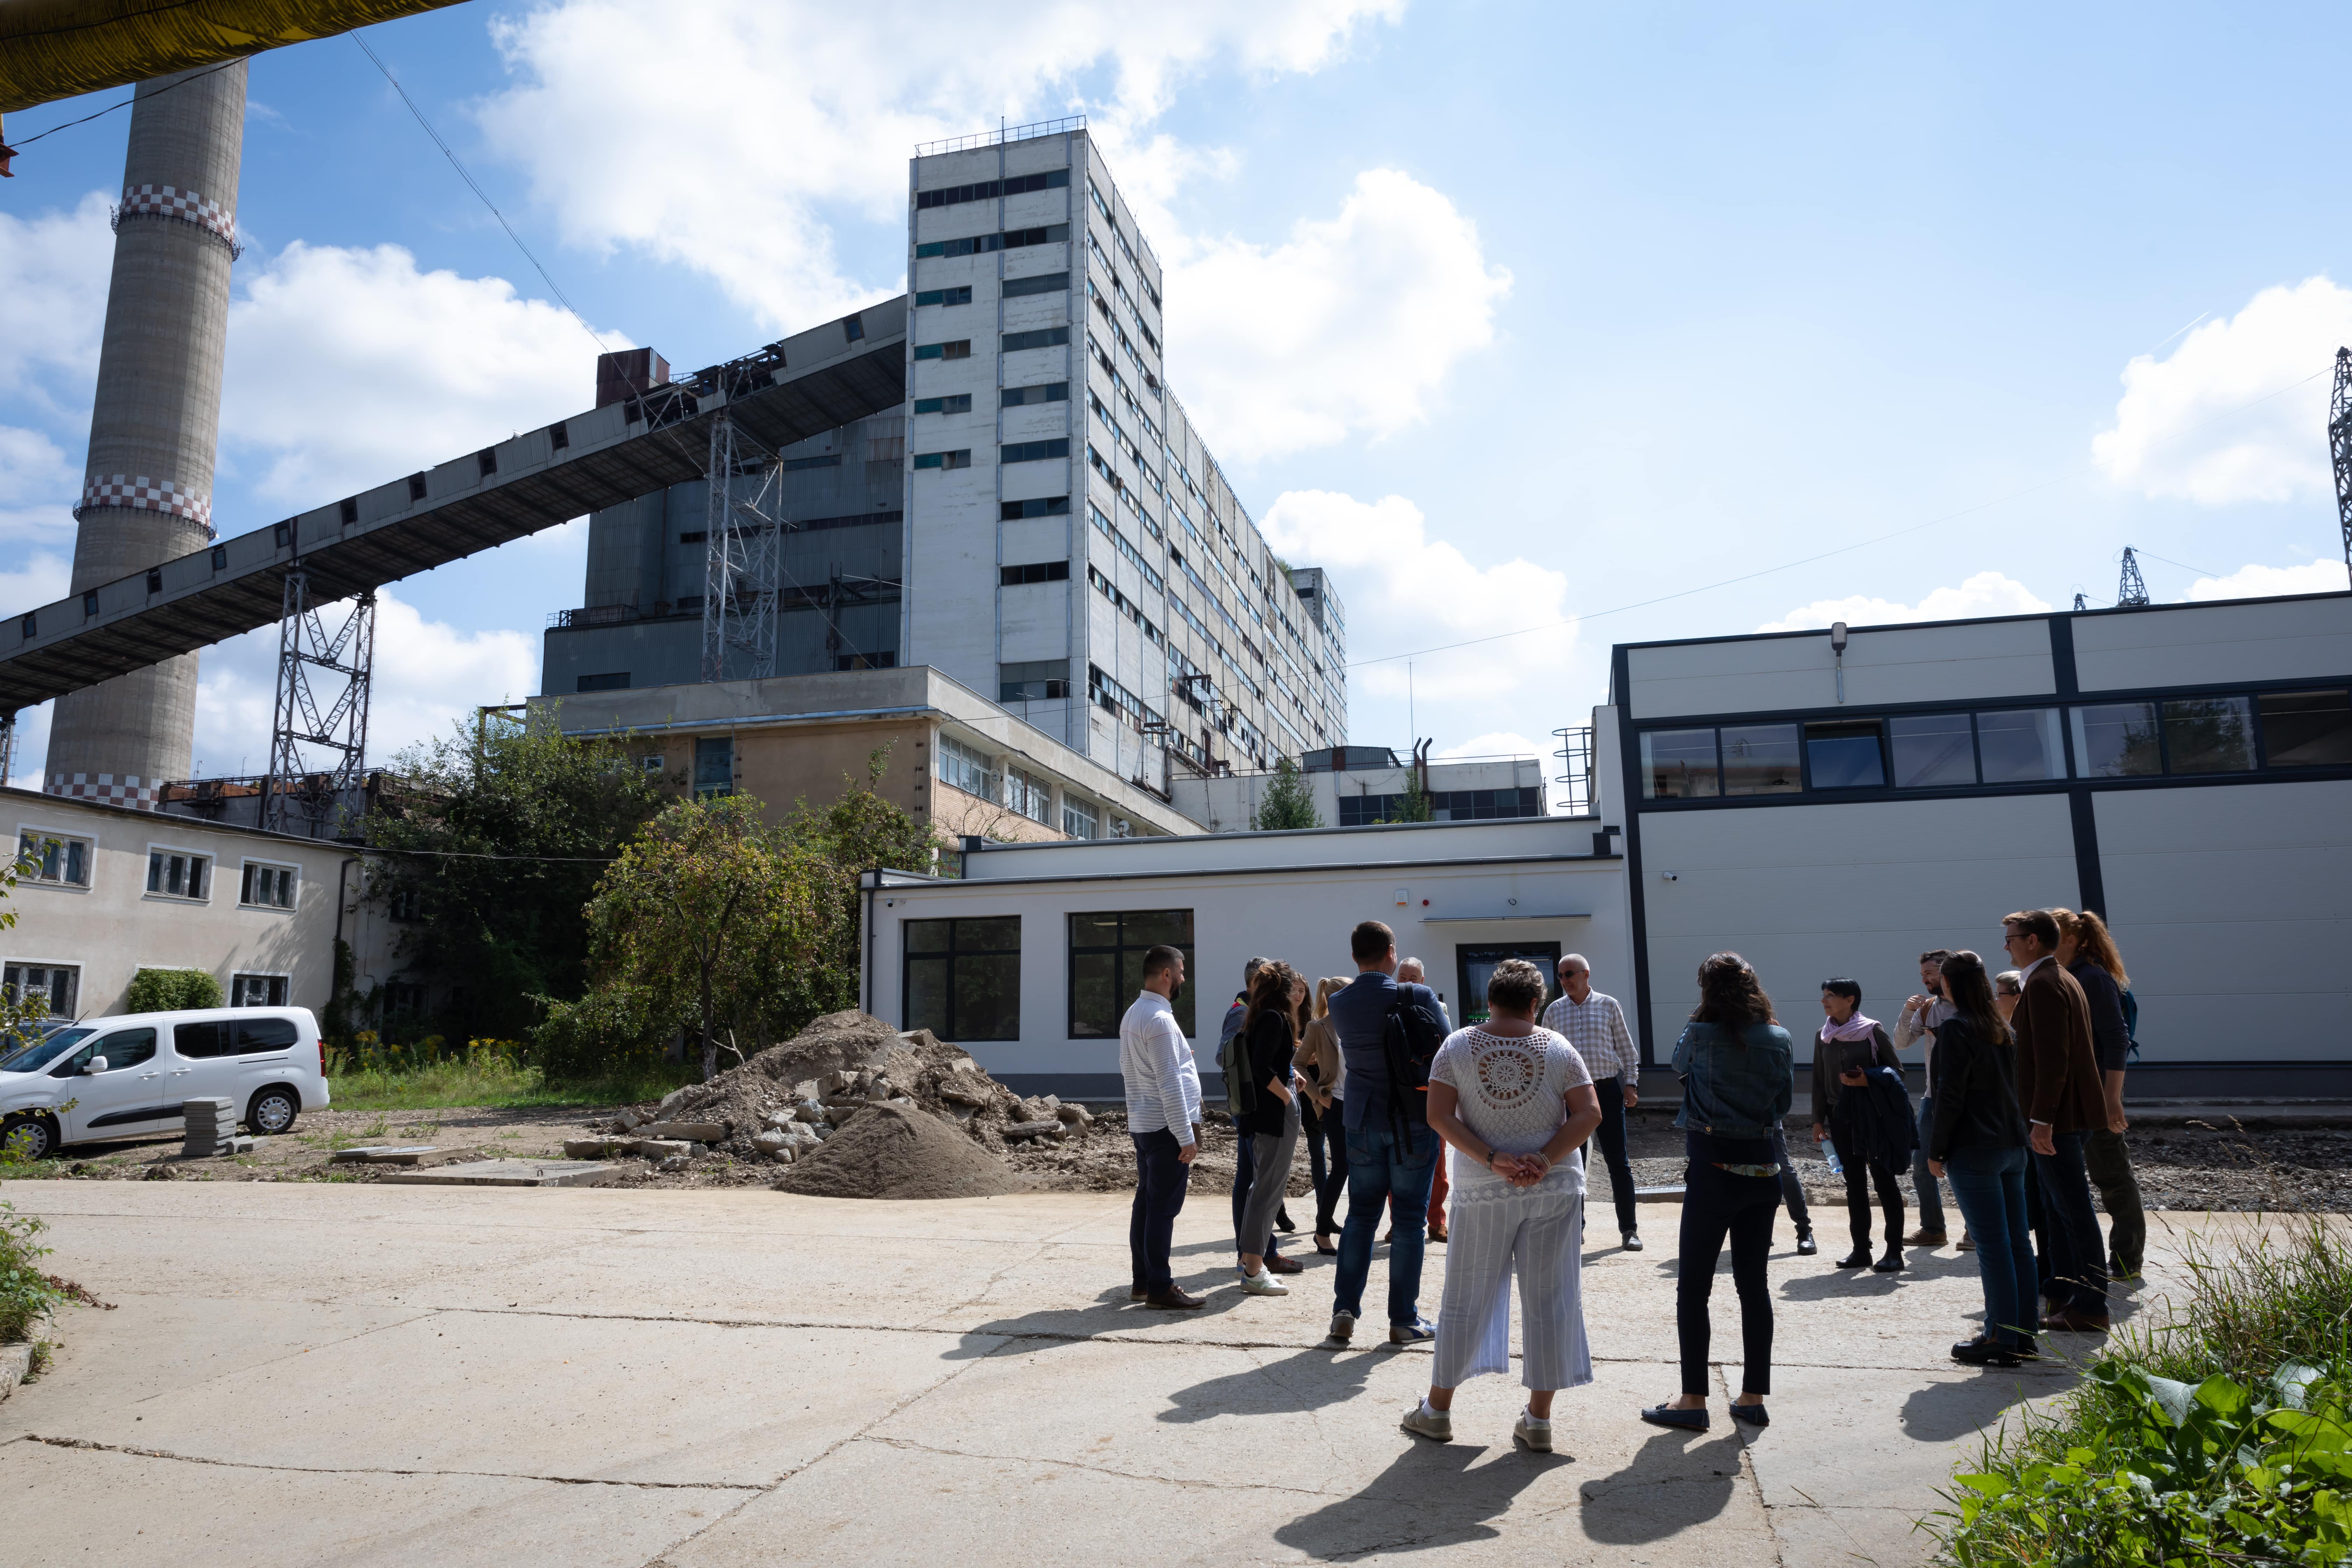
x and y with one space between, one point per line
1596 1027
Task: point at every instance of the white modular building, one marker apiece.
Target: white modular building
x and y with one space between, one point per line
2185 770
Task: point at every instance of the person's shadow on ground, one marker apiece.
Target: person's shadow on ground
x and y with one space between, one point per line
1940 1412
1675 1481
1309 1380
1430 1496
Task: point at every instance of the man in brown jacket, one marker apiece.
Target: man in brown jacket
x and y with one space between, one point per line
2059 1087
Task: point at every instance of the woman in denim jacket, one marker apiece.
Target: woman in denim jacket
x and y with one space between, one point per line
1739 1073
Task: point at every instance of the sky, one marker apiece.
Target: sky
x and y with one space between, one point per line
1586 324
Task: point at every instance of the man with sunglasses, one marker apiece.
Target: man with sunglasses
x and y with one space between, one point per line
2058 1086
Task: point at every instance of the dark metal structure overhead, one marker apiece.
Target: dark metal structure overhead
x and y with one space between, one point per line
802 386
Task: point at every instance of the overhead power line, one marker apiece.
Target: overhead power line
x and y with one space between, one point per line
127 102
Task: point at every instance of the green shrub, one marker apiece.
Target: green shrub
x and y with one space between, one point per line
614 1031
169 990
26 1293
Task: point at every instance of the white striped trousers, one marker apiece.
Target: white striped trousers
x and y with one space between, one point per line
1539 1236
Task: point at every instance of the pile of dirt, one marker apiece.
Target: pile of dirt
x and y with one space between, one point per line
887 1151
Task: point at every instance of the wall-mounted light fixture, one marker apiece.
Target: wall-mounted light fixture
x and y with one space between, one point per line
1837 647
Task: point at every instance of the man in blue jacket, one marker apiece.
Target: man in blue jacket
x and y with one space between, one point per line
1388 1157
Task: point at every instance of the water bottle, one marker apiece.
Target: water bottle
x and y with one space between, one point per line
1835 1169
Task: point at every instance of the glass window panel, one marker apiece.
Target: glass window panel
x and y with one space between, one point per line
1144 928
1759 759
996 934
266 1034
199 1041
1094 1007
987 998
926 992
2307 729
2115 740
2209 735
928 936
125 1048
2020 745
1678 764
1093 931
1930 750
1844 754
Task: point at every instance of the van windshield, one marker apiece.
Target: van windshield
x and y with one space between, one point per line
34 1057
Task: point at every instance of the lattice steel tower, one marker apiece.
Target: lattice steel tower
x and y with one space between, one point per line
745 551
2339 445
2131 588
296 797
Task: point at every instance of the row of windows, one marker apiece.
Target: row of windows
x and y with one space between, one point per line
59 986
1033 680
1042 338
1034 451
1105 692
959 403
1010 240
821 460
989 189
1445 806
1151 578
57 861
1034 572
963 977
1126 606
1036 506
2178 736
957 295
959 348
1045 392
1041 283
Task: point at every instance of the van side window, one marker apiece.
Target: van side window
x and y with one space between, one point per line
263 1034
197 1041
125 1048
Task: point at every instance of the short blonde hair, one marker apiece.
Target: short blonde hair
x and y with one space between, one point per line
2010 982
1516 985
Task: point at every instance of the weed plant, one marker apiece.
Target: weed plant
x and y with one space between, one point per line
482 1079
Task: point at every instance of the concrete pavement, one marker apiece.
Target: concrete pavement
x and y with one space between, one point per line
364 1373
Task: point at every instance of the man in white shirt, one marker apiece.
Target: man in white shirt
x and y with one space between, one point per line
1163 1118
1594 1024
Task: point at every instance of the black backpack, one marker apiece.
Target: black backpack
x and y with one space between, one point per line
1410 1037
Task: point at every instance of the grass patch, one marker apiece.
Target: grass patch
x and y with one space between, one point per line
445 1085
2222 1434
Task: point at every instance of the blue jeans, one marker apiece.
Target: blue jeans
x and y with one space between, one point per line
1379 1168
1931 1201
1989 1185
2078 1252
1160 1182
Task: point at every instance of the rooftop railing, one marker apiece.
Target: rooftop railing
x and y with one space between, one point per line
999 137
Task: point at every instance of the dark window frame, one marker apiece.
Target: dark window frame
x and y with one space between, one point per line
949 956
1186 995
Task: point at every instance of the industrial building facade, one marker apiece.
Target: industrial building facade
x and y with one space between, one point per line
1040 522
2186 769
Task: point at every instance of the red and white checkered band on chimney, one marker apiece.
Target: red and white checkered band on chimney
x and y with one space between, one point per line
109 789
169 201
144 494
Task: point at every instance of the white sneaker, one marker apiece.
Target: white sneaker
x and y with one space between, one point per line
1263 1283
1423 1422
1534 1434
1343 1325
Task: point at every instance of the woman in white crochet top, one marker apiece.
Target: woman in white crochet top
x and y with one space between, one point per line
1516 1102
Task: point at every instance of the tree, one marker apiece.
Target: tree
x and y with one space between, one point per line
1413 805
1289 801
710 909
509 829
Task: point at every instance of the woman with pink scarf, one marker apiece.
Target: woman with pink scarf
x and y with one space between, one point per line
1848 1044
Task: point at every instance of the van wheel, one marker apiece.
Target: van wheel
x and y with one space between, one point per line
31 1135
273 1110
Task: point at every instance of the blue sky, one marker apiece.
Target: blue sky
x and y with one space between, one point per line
1507 313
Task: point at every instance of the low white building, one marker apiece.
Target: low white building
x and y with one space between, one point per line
111 891
1030 959
2185 770
1354 787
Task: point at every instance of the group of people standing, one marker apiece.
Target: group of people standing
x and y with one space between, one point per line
2023 1113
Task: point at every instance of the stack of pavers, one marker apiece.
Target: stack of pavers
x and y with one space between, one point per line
212 1130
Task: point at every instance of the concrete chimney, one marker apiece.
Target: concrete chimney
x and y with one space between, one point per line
155 423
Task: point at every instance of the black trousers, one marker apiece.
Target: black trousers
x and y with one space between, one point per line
1161 1179
1793 1191
1326 1159
1610 1136
1861 1171
1718 1204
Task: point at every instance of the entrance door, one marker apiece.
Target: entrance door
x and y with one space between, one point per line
1474 965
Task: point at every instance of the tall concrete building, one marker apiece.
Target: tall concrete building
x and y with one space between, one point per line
1041 521
155 420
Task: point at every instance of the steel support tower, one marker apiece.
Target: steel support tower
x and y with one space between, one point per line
744 550
2339 445
2131 588
295 797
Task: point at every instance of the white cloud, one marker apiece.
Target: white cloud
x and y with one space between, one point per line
53 278
1425 591
1346 326
2262 582
348 368
37 485
2183 429
1495 743
428 677
1986 593
723 134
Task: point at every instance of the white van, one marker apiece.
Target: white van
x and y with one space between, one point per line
127 1077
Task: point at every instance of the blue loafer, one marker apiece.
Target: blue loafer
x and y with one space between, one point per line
1667 1415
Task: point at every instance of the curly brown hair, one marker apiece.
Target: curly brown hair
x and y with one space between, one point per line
1730 995
1271 989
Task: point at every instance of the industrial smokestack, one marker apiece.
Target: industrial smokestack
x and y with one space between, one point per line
155 424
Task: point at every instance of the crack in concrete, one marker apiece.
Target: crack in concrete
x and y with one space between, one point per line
909 1445
382 1470
1748 1470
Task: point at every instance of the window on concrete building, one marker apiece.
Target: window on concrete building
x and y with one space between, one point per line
1930 750
257 991
1045 392
405 901
963 978
1033 680
1845 753
53 859
959 404
1030 795
2117 740
966 768
1079 817
58 985
1679 764
799 465
1034 451
982 244
960 349
401 999
945 296
2020 746
613 680
1034 572
714 766
1042 506
2209 735
989 189
266 886
1043 283
959 458
1043 338
2307 729
1759 759
175 874
1107 967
